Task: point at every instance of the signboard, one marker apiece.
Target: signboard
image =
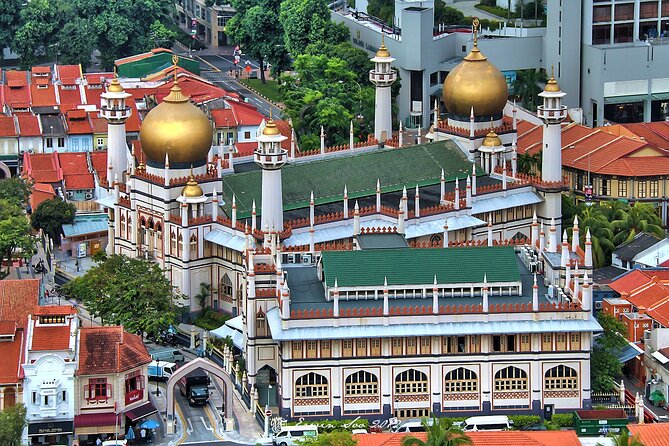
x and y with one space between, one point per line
248 68
81 250
133 396
510 77
51 428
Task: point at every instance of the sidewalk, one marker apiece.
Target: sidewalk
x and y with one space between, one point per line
634 387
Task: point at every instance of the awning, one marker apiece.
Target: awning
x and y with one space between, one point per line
223 238
141 411
660 357
626 99
629 352
51 428
224 331
107 201
95 420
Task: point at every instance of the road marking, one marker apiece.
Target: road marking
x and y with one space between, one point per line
209 428
189 429
210 415
216 69
180 416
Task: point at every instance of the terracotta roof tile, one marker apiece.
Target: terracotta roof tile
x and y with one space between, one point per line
78 123
224 117
99 124
7 127
97 78
68 74
246 114
69 97
42 96
55 310
41 70
79 181
284 128
99 162
504 438
132 123
106 350
50 338
656 133
28 125
16 91
41 192
10 366
93 95
73 162
18 298
655 434
245 148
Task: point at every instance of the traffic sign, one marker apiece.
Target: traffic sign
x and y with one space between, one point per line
268 413
248 68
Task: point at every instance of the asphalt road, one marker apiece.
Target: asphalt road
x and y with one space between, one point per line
197 421
216 70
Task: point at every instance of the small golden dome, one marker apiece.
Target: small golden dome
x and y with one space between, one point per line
115 86
552 85
192 189
178 126
476 83
492 140
270 128
383 51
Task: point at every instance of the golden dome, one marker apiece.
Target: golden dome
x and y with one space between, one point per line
270 128
192 189
476 83
552 85
178 126
383 51
115 86
491 140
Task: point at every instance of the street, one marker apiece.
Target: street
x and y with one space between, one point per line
197 421
216 70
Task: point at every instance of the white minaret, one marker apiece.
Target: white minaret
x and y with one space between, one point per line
271 157
383 77
552 113
114 109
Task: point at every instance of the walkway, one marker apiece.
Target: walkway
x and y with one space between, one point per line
467 7
635 387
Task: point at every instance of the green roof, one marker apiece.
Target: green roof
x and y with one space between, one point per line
404 266
395 168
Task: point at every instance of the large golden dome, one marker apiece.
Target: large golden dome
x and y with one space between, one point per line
477 83
178 127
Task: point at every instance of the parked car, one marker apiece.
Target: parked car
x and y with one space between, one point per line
293 435
167 354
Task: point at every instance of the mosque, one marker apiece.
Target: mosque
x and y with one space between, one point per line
380 278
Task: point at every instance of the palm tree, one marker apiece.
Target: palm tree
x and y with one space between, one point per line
614 209
624 439
593 219
640 217
526 87
440 432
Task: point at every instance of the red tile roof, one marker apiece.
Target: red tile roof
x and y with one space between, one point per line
16 92
224 117
28 125
7 328
99 162
50 338
69 97
55 310
41 192
245 148
656 133
655 434
97 78
99 124
73 163
18 298
133 123
42 167
42 95
504 438
246 114
68 74
79 181
648 290
7 127
11 354
78 123
41 70
106 350
93 96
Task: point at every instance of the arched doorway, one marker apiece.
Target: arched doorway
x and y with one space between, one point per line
198 363
265 378
4 171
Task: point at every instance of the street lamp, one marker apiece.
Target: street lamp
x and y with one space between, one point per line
157 369
269 387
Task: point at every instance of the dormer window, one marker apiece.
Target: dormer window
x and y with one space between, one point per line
48 320
42 87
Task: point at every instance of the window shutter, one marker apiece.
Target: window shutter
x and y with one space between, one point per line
109 390
87 392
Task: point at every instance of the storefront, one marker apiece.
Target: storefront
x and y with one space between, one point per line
624 109
89 427
51 433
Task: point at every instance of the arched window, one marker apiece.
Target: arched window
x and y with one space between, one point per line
461 380
225 290
362 383
561 378
411 382
510 379
311 385
261 323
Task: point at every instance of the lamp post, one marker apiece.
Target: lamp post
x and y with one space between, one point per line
157 369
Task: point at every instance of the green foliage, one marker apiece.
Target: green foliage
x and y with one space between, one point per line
527 87
640 217
494 9
270 89
161 36
15 232
211 319
12 422
51 215
563 419
440 432
382 9
9 21
127 291
84 40
625 439
531 10
16 190
446 14
520 421
334 438
303 21
205 292
605 369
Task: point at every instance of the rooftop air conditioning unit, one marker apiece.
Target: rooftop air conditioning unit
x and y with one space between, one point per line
291 258
306 258
88 196
599 305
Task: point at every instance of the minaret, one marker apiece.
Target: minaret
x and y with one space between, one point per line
114 109
271 157
383 77
552 113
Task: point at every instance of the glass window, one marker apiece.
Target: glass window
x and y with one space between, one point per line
297 349
622 188
475 344
461 380
311 385
347 348
61 142
375 347
641 189
312 351
622 33
575 341
648 10
362 383
425 346
546 342
561 341
601 13
510 379
397 346
361 347
325 349
434 78
654 188
605 189
665 8
561 378
411 381
411 346
624 11
525 340
49 142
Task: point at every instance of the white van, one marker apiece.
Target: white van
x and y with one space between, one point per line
412 425
488 423
291 435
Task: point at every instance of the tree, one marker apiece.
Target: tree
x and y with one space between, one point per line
640 217
161 36
335 438
41 20
446 14
440 432
51 215
15 190
12 422
624 439
15 235
126 291
605 369
382 9
9 22
526 87
592 218
76 42
303 21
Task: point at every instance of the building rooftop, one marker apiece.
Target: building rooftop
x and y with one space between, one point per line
381 241
17 299
105 350
86 224
654 434
641 242
11 354
504 438
45 338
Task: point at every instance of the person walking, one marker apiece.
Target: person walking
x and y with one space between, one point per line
142 435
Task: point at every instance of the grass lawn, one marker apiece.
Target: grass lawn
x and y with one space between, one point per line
270 89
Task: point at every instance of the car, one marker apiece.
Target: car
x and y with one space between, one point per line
115 443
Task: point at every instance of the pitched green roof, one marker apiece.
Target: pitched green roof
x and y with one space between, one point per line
395 168
404 266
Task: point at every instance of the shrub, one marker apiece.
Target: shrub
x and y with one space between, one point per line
520 421
563 419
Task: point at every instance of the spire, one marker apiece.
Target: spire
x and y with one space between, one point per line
442 190
435 297
485 294
575 235
535 294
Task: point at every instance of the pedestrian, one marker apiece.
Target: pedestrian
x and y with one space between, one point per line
142 435
98 442
46 294
76 263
